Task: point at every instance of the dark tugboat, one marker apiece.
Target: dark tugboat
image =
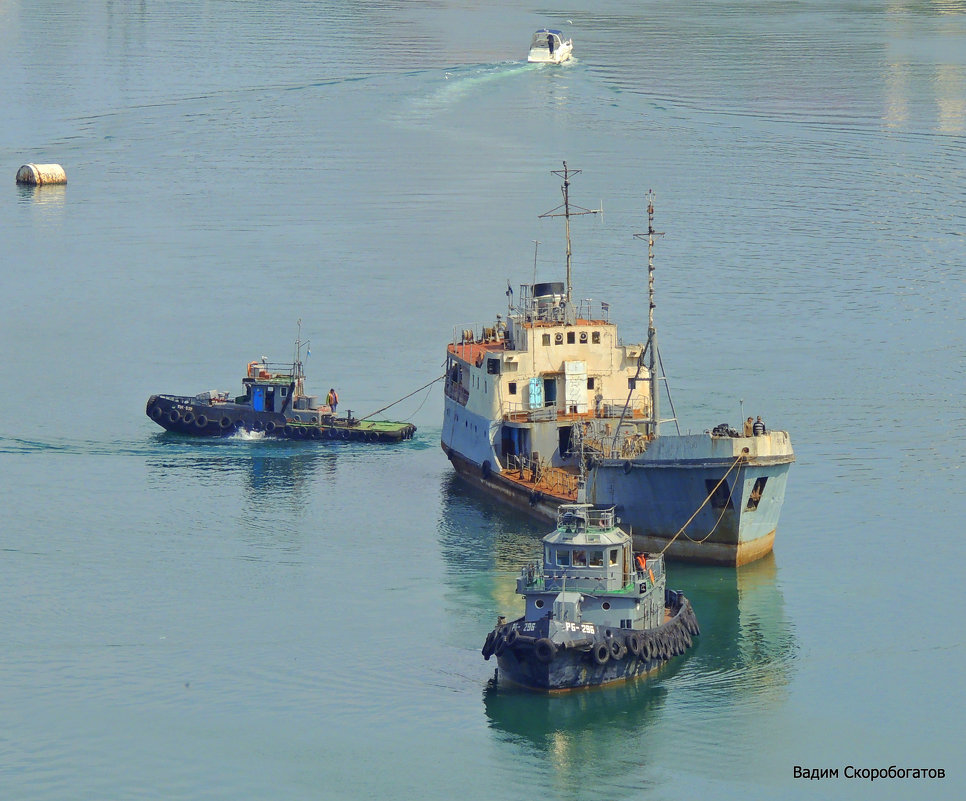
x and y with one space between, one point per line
274 403
596 613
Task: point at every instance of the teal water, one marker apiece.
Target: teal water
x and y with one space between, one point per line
246 619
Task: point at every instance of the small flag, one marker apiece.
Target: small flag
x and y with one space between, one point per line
509 290
308 351
605 306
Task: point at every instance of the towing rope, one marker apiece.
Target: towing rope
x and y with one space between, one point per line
377 411
681 531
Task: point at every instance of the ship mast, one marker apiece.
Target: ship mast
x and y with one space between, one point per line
568 210
651 346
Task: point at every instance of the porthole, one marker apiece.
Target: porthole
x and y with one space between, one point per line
538 603
605 606
558 338
583 337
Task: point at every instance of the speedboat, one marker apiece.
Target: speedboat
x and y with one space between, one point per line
548 47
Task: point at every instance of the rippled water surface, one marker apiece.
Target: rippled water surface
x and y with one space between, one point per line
255 619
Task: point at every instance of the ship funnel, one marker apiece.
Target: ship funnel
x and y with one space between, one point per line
548 297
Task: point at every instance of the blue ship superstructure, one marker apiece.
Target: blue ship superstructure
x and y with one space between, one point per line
596 612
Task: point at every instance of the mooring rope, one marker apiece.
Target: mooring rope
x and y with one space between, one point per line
681 531
377 411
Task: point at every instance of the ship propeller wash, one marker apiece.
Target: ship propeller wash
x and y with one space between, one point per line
548 406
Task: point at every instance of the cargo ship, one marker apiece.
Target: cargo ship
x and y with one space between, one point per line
548 406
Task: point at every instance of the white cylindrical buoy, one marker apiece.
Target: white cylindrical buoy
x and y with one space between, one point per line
38 174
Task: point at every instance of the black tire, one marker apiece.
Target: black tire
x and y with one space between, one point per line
627 468
202 421
488 645
486 469
600 652
174 416
225 423
188 417
633 643
157 413
270 427
617 650
500 645
544 650
511 638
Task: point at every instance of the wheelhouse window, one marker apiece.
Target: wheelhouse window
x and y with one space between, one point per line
563 558
613 556
596 558
580 558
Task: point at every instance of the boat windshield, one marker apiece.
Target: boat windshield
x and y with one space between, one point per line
540 40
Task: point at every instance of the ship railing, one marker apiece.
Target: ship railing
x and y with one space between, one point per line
552 309
457 392
601 440
607 409
534 577
653 570
265 370
582 516
549 478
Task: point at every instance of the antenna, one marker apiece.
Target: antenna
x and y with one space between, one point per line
568 211
651 331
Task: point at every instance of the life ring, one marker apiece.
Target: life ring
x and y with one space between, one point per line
188 418
157 413
174 416
633 643
600 652
544 650
202 421
270 427
225 422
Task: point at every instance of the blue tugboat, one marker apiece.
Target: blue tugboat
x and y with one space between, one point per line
274 402
596 613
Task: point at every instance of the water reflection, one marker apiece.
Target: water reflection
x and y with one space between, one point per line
270 468
574 727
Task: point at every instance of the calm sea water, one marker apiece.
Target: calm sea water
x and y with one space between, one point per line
246 619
